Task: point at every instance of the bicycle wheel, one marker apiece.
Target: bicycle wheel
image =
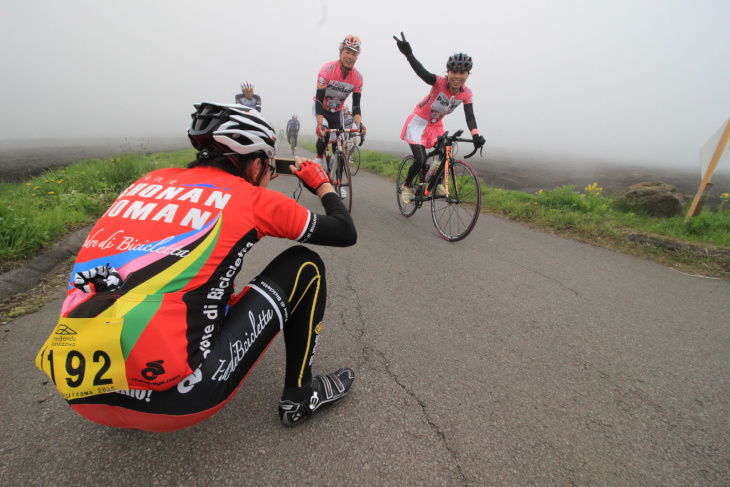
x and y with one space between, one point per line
343 179
293 143
410 208
355 159
456 214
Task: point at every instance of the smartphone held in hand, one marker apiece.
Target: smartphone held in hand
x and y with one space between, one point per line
282 166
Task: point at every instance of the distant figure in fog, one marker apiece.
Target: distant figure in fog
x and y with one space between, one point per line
247 97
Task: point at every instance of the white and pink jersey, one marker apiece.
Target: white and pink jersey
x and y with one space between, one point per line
338 87
439 102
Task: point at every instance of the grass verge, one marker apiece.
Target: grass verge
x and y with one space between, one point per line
699 247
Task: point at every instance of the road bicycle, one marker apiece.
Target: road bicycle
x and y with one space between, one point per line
292 139
338 164
353 153
453 189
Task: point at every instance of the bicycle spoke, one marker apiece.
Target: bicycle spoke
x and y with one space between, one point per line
455 216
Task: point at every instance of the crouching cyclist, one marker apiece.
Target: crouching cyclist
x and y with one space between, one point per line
152 335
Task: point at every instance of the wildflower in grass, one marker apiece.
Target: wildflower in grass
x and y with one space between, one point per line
27 184
724 197
51 192
593 190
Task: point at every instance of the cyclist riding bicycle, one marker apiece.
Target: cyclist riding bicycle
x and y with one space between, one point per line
247 97
336 80
152 288
292 130
425 124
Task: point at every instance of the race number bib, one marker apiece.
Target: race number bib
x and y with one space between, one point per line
83 357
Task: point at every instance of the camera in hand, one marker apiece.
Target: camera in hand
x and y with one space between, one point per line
282 166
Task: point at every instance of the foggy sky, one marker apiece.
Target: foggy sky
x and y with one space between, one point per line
624 80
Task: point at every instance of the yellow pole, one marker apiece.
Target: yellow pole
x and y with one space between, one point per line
710 170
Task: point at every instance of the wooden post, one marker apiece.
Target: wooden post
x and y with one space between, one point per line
695 209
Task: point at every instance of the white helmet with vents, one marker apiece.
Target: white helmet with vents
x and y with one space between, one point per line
236 128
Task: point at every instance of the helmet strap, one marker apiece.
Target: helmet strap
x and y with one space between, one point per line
345 71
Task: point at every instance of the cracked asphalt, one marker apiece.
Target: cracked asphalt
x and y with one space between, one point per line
513 357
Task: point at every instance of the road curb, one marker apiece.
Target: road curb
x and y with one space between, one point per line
28 276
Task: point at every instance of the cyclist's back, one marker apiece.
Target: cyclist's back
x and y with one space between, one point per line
174 241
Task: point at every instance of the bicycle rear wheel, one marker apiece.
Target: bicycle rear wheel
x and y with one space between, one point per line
293 144
456 215
342 179
355 159
410 208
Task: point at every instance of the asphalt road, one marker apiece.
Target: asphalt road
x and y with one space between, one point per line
513 357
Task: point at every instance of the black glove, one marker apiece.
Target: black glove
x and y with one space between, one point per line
403 45
479 141
99 279
363 131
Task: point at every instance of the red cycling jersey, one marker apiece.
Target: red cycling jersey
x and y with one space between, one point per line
178 238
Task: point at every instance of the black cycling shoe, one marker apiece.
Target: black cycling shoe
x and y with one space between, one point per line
326 389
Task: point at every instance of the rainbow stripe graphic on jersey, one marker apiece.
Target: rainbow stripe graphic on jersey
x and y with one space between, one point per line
150 277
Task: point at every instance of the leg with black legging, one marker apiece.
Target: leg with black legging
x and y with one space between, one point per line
419 157
300 274
320 145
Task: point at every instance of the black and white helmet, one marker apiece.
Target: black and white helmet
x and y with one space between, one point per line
459 62
235 127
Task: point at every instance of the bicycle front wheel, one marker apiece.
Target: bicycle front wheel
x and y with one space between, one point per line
455 206
355 159
409 208
343 179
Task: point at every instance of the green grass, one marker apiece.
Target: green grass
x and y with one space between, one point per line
700 245
38 212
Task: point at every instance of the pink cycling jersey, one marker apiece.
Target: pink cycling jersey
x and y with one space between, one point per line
440 102
338 87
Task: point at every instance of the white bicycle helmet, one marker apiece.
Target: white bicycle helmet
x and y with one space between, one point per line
231 127
246 85
351 42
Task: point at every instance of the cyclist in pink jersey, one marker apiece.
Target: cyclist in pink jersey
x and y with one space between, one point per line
160 265
425 124
335 82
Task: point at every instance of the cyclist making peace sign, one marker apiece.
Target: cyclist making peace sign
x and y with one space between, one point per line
425 123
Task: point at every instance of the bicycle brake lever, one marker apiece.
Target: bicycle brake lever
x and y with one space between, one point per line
472 153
